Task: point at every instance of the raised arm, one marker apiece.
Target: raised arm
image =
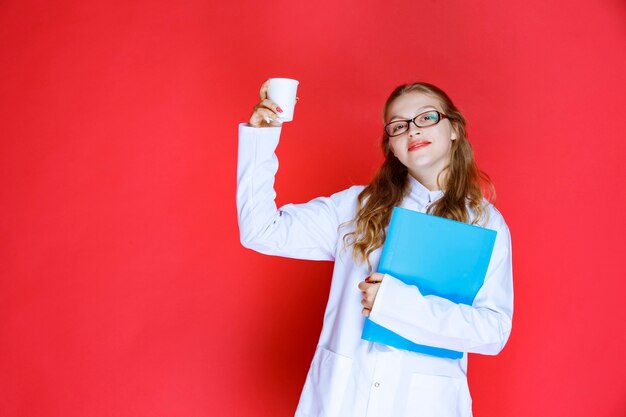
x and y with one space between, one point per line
304 231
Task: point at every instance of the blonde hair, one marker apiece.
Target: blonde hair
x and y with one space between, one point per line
462 191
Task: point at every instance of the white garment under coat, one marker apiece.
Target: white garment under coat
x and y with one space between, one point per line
350 377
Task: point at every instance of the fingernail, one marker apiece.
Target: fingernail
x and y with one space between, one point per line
267 120
279 110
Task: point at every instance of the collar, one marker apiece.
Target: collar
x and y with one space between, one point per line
421 194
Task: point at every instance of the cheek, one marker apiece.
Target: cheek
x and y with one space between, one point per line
393 147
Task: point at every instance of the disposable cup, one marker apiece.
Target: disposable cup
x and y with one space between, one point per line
282 91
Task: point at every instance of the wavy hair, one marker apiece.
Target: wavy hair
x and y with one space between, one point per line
464 189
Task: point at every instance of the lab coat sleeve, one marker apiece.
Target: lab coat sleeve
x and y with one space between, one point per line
484 327
303 231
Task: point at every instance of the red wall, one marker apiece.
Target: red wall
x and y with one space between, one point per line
124 290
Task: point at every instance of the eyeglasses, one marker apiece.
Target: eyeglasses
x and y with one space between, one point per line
427 119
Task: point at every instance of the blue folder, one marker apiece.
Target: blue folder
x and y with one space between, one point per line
441 257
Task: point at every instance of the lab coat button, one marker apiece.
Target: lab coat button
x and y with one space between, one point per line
377 384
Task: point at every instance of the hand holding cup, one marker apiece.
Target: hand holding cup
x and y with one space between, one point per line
278 99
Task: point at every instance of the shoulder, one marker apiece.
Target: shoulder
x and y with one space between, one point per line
347 197
349 194
345 202
340 201
494 219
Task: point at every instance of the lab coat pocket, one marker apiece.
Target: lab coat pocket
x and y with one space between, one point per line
326 384
438 396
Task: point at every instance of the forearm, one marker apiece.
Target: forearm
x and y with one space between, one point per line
484 327
435 321
257 165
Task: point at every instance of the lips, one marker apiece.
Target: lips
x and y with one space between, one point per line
418 144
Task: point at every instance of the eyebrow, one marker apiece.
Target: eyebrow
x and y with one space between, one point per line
419 111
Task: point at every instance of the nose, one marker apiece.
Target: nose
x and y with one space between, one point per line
414 129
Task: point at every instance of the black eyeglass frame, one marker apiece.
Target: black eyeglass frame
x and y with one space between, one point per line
414 120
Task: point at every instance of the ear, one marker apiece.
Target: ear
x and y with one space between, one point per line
453 134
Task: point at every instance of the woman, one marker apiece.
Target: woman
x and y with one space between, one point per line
428 167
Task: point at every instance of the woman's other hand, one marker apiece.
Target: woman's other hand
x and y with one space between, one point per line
369 289
266 113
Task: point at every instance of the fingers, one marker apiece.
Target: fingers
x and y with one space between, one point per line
369 289
269 104
263 117
263 91
266 113
376 277
367 301
368 292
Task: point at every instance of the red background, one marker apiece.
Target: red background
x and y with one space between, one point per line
124 289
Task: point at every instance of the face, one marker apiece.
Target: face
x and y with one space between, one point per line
424 151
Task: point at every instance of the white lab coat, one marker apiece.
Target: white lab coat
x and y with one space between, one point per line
349 376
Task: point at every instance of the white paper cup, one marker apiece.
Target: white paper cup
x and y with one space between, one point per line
282 91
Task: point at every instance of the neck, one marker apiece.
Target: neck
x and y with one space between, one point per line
429 181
